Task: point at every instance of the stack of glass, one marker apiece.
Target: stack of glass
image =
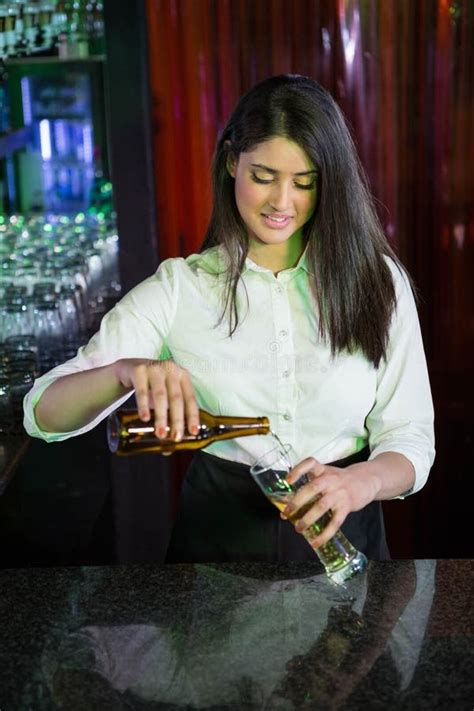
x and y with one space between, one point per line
29 26
58 276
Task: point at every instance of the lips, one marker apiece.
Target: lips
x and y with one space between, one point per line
277 217
275 221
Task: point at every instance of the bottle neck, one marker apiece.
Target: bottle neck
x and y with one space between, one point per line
243 429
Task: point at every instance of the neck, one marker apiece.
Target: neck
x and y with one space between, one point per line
277 257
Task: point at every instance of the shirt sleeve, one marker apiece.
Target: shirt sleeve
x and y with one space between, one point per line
136 327
401 419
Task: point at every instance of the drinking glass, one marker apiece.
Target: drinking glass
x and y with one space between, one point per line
49 333
340 559
6 406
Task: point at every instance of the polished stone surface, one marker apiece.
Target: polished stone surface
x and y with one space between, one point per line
237 636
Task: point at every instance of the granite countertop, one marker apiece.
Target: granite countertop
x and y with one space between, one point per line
237 636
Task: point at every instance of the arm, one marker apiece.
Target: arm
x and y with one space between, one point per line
76 400
401 419
126 354
344 490
390 474
400 427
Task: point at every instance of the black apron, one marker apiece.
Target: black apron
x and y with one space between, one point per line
223 516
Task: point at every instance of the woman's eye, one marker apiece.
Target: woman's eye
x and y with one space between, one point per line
306 186
264 181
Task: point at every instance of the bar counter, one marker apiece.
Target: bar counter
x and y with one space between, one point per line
237 636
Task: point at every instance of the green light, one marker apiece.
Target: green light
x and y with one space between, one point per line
47 227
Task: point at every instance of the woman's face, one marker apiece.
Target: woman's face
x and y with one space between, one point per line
275 191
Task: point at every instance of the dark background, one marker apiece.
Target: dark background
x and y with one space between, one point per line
402 72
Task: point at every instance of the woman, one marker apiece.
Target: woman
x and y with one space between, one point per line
296 308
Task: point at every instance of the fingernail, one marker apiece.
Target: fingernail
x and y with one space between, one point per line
300 527
194 429
144 415
162 432
176 435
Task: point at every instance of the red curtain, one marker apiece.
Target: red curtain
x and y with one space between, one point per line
402 71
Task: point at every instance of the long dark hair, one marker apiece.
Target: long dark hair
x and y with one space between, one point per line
350 280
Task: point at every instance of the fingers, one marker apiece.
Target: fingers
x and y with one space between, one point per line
191 408
167 389
140 381
158 397
182 404
175 407
320 504
305 479
322 521
310 465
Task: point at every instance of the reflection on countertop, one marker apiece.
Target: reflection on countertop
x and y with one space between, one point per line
237 636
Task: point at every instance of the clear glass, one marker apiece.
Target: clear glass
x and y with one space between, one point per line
6 406
49 334
340 559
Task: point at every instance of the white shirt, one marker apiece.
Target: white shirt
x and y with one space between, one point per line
275 364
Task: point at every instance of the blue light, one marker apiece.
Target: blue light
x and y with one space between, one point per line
26 101
45 139
88 147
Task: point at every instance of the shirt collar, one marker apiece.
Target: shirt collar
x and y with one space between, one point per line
301 264
215 260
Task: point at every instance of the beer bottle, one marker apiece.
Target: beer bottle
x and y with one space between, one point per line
128 434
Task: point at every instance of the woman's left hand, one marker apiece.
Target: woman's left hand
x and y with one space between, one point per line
333 489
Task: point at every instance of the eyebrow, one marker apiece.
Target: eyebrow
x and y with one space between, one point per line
272 170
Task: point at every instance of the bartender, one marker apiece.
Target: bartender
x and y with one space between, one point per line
295 308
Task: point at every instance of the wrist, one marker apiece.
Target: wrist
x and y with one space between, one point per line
117 372
374 475
388 475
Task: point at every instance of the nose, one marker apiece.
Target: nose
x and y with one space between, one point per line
280 196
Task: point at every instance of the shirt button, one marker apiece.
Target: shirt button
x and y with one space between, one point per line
287 416
279 290
285 373
283 333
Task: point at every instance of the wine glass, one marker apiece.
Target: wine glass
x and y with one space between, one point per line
340 559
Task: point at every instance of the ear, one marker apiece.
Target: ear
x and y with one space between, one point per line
231 161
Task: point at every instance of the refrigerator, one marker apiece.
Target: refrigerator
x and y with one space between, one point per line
58 107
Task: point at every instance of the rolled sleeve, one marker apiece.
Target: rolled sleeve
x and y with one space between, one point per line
135 328
402 417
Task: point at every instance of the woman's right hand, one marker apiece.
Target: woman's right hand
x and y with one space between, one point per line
165 387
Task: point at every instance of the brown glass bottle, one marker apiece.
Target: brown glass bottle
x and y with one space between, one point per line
128 434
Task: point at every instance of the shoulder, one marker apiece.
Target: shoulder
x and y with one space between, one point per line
401 279
209 261
175 273
212 261
173 276
403 285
